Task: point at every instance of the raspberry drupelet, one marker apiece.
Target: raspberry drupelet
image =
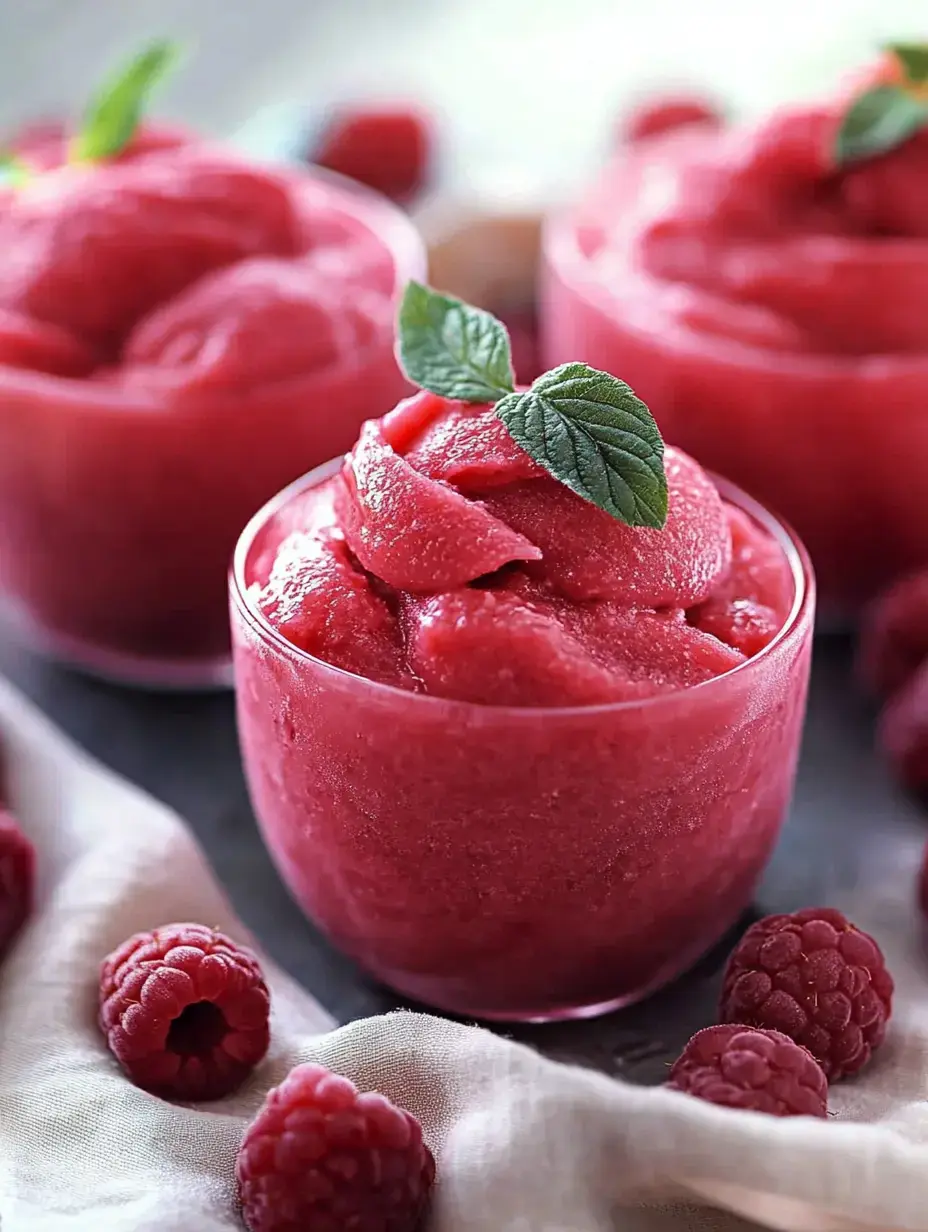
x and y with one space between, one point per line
17 877
184 1011
319 1154
760 1071
814 977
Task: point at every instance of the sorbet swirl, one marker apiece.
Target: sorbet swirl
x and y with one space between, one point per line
443 559
182 332
769 306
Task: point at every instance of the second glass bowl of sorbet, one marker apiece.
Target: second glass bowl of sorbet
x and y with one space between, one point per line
770 309
516 758
181 333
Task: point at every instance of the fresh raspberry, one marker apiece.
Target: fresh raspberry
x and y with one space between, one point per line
762 1071
902 733
320 1155
816 978
662 115
893 641
17 879
184 1011
388 148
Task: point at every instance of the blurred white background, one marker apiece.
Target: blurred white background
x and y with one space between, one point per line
527 86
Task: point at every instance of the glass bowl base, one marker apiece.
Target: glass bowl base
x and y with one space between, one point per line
673 969
114 666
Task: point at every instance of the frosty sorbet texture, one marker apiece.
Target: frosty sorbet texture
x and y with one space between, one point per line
519 692
769 304
442 559
181 333
539 816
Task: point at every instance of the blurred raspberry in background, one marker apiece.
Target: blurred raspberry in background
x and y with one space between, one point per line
387 147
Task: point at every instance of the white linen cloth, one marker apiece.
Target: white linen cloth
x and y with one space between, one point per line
523 1144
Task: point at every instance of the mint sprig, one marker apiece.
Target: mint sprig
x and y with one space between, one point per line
114 113
877 122
887 115
12 169
590 431
587 428
913 57
451 348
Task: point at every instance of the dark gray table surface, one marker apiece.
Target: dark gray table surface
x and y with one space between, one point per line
182 748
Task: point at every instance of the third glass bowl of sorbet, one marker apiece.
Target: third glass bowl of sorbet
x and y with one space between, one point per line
518 759
181 333
770 308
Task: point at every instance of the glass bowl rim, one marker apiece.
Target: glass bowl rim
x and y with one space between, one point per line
802 610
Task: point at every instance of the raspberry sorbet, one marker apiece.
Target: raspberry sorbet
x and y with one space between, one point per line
768 303
181 333
518 758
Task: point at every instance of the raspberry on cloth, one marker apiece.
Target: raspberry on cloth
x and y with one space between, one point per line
320 1151
519 1140
816 978
184 1011
760 1071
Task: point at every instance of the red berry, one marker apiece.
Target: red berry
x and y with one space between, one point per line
662 115
762 1071
184 1011
902 732
321 1155
17 878
893 640
386 148
816 978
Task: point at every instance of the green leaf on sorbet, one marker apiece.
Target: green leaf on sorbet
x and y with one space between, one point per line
914 60
113 115
587 428
878 121
590 430
452 348
12 169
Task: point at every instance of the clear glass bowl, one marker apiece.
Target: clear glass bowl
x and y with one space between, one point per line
119 511
521 864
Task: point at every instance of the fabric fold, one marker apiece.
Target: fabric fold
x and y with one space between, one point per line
523 1143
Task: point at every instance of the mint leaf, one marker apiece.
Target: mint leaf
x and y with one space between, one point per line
914 60
878 121
451 348
113 115
12 169
585 427
590 431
